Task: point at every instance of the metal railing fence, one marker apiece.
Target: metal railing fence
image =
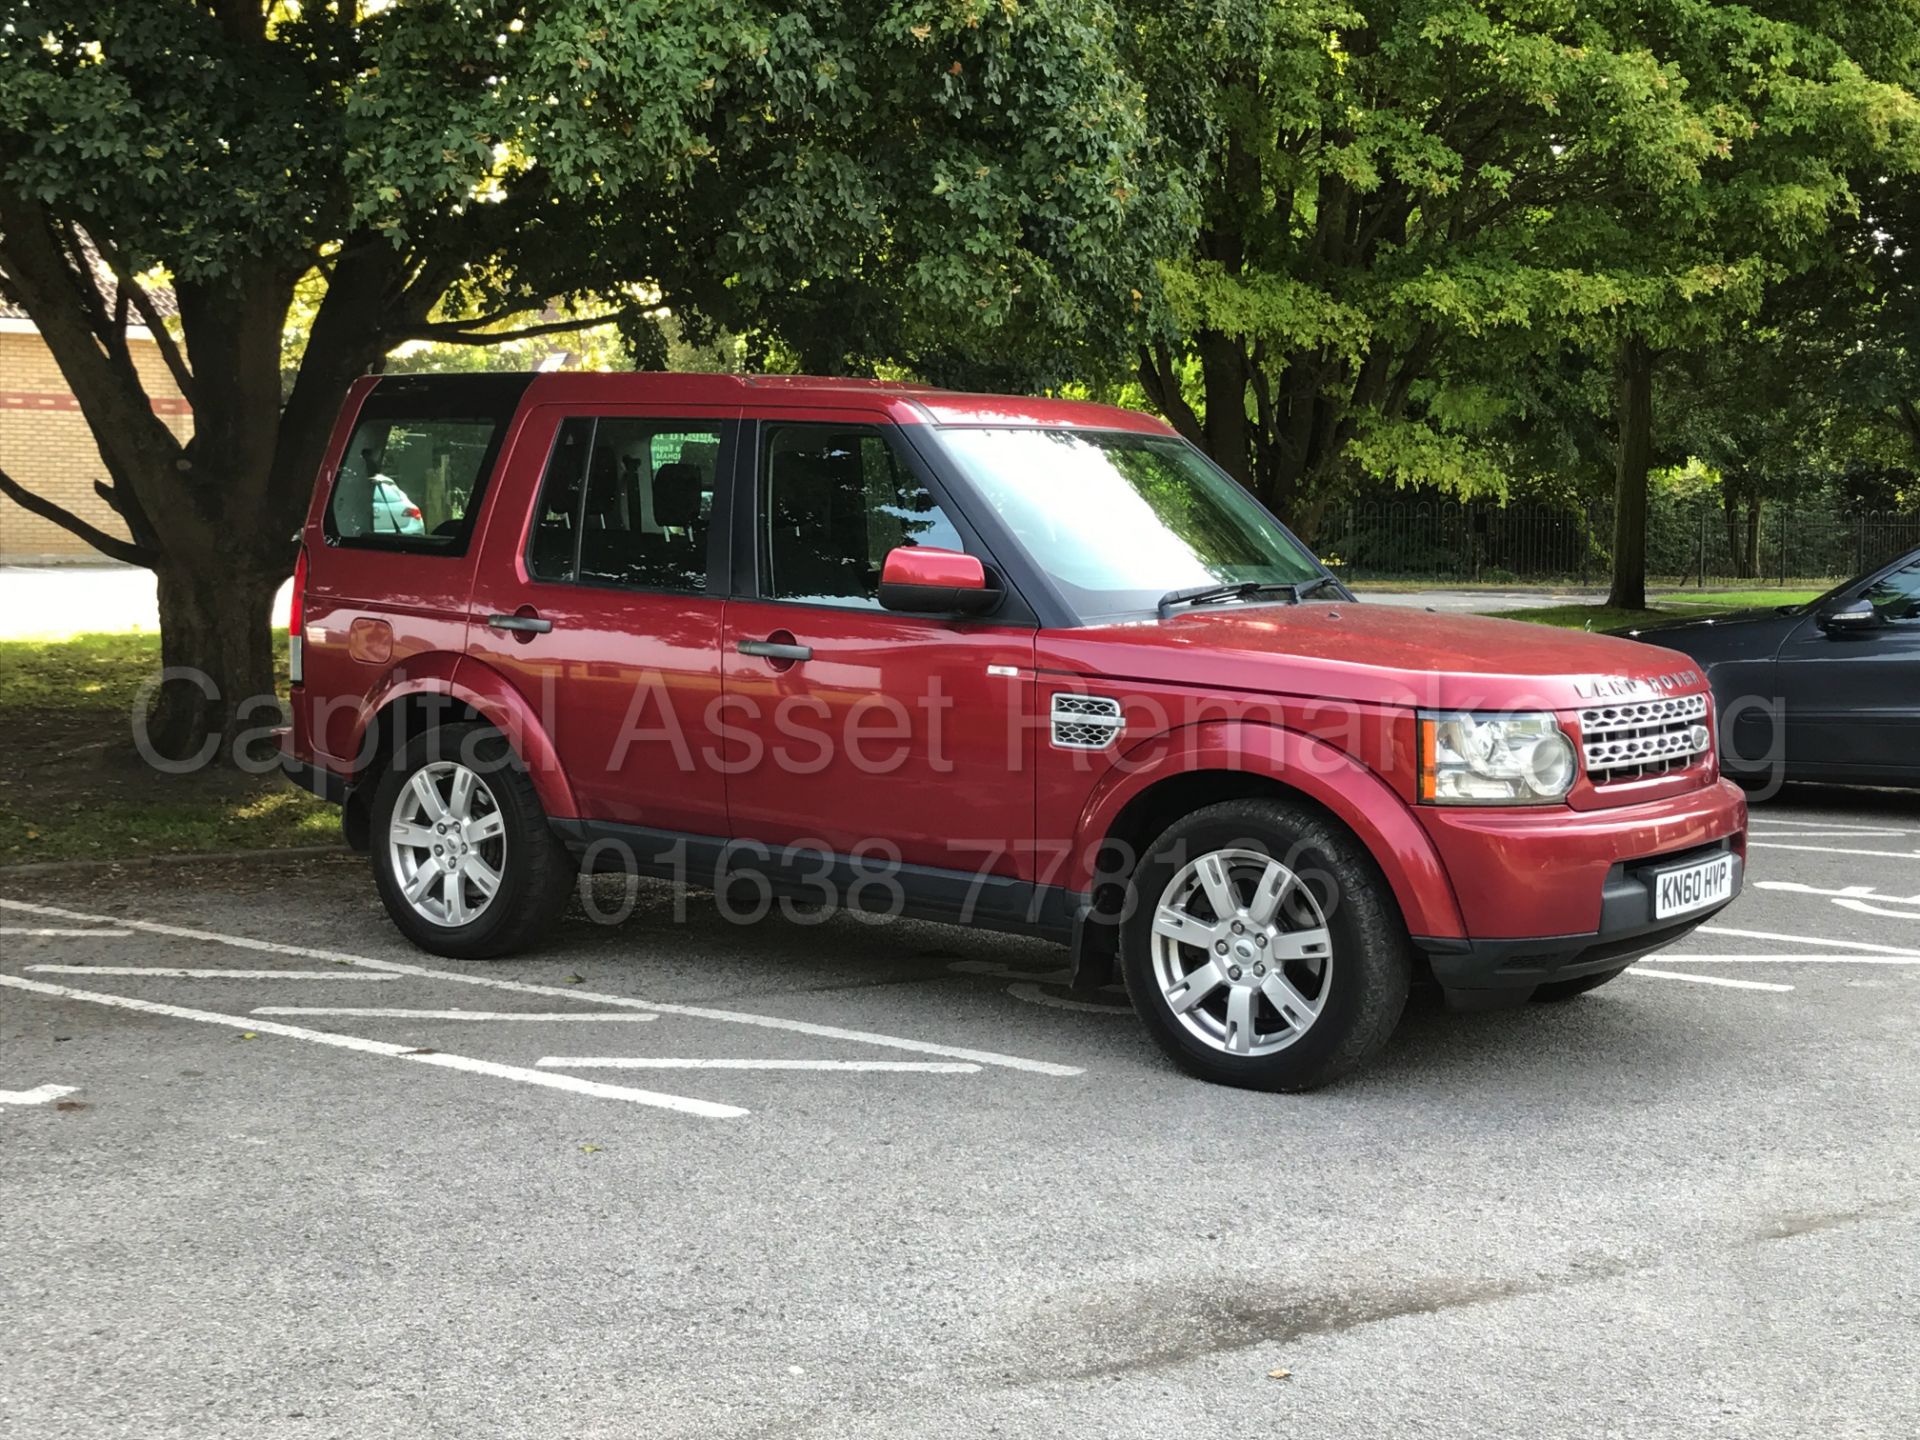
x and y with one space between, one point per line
1688 542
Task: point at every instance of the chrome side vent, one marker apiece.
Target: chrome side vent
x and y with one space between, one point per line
1085 722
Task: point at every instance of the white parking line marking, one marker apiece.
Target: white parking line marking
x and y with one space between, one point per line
439 1059
376 1013
1708 979
1830 834
1861 907
522 987
39 1095
167 972
1856 892
1839 825
1800 940
1670 959
1856 898
649 1062
1832 850
54 930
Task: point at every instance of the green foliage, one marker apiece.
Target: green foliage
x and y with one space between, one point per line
968 164
1406 201
951 184
1333 240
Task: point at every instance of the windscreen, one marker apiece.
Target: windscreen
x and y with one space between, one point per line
1118 520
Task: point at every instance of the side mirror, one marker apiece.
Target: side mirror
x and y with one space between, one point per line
1850 618
920 580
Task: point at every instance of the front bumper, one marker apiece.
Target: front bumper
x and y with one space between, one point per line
1555 898
1627 931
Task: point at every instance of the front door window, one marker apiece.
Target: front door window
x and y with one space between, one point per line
834 501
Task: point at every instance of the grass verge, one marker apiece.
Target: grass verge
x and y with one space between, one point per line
1718 600
1671 607
75 787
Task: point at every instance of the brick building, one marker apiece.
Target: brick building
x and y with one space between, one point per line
45 444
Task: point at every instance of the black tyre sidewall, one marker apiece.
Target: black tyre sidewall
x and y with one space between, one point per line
533 858
1371 956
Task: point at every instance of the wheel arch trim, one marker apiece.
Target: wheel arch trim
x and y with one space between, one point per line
1272 756
488 694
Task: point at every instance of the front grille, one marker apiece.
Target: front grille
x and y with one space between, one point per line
1645 738
1085 722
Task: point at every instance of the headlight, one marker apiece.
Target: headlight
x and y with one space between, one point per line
1474 759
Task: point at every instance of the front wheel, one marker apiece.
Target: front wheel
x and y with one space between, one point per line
1263 949
462 854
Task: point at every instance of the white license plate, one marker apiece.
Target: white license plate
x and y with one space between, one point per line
1688 888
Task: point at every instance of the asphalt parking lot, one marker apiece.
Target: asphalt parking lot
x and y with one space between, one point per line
267 1170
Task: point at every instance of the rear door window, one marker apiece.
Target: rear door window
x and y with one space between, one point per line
627 501
412 484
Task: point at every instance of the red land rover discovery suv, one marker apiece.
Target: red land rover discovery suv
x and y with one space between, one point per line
1032 665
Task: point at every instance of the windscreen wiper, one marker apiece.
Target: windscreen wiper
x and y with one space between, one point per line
1307 587
1209 594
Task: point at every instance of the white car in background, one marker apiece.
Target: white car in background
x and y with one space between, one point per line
394 512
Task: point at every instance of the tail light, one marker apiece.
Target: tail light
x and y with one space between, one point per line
297 618
413 513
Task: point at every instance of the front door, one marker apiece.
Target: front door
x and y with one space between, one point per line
1853 696
596 599
902 739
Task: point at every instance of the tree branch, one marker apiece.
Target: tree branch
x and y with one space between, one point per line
1162 384
111 396
106 544
130 288
455 333
112 337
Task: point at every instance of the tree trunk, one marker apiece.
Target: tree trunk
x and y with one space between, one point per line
217 687
1730 506
1632 462
1223 372
1750 562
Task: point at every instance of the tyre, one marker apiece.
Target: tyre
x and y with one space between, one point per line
1557 990
462 854
1263 948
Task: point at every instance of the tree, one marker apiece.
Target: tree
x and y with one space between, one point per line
1764 410
1400 202
1801 103
1382 187
1874 311
448 170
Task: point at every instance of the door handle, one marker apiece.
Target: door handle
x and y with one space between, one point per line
524 624
774 650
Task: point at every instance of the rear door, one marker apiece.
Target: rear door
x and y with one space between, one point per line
1853 696
391 549
596 597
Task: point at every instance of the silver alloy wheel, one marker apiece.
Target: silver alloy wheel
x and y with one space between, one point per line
447 840
1241 952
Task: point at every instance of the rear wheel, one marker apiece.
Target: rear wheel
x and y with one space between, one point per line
462 853
1263 949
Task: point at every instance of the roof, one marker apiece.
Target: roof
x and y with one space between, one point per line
821 394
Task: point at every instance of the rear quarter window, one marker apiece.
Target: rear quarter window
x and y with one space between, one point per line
413 484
